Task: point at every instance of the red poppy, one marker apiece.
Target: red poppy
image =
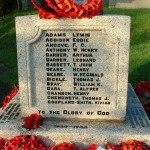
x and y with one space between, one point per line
2 143
25 142
67 8
143 86
65 146
9 97
129 145
45 11
92 147
33 121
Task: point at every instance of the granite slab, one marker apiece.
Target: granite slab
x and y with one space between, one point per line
83 133
74 68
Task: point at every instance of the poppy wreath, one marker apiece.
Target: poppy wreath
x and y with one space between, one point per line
129 145
33 121
67 8
32 142
143 86
65 146
25 142
9 97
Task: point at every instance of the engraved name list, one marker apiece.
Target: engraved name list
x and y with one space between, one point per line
76 75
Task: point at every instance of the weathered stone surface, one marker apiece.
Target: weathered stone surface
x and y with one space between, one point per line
57 60
136 126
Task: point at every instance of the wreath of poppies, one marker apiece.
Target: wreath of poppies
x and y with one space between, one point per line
32 142
10 96
68 8
143 86
140 89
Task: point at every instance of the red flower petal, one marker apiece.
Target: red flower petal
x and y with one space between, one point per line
33 121
92 147
9 97
69 9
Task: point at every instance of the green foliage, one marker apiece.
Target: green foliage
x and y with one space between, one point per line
139 67
6 7
8 50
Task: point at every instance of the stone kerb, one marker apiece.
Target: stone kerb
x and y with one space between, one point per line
108 41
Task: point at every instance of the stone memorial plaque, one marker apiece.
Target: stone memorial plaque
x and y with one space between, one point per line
74 69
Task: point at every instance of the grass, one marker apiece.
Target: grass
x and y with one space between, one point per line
8 50
139 66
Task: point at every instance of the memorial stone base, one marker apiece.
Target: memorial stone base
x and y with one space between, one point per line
136 126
